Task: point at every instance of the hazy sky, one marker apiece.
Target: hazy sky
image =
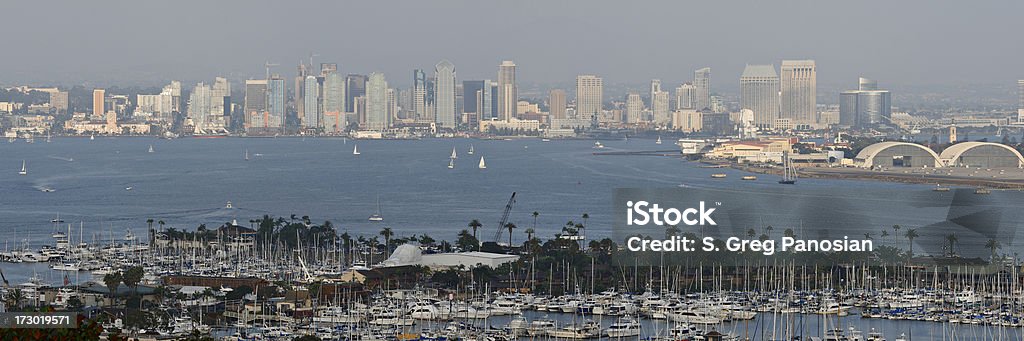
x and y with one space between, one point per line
150 42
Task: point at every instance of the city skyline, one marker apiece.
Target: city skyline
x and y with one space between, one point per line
913 40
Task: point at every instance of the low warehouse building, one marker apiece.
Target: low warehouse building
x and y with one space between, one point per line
981 155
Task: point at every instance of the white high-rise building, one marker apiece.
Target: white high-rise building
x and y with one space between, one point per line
333 103
377 117
702 83
634 108
759 92
659 108
444 94
199 107
686 96
419 94
799 88
311 107
655 87
589 95
1020 105
508 94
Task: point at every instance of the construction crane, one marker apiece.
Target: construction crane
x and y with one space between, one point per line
504 218
268 65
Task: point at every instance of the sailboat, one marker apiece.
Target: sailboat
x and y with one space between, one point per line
246 155
150 149
658 141
377 216
471 151
454 156
23 171
788 172
482 165
92 137
47 136
355 150
451 163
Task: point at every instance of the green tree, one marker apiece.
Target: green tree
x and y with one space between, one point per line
466 241
510 227
112 280
475 224
387 233
952 239
993 244
911 234
895 235
132 277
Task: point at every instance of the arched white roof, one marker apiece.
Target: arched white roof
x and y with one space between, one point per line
955 151
867 154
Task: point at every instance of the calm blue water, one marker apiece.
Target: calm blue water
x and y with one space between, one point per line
186 182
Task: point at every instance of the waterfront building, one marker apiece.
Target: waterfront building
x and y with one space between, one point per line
255 106
799 91
311 113
300 91
759 92
974 154
892 154
276 94
556 104
687 120
444 94
686 96
377 116
865 107
508 94
355 86
589 96
333 103
1020 101
634 108
98 98
702 88
659 108
199 107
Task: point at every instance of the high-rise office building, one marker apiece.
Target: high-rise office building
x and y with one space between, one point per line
759 92
333 102
377 117
659 107
255 107
589 96
300 91
508 94
444 94
276 102
634 108
1020 104
199 103
556 104
98 96
311 113
220 104
488 98
702 84
355 86
419 93
59 101
799 88
865 107
471 92
655 87
686 96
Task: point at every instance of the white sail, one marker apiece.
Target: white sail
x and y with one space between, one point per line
24 171
471 151
150 148
355 150
451 163
246 155
658 141
454 156
482 165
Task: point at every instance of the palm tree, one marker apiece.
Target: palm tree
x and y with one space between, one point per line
474 224
751 233
884 234
951 238
789 233
911 234
993 244
112 280
529 234
867 236
15 298
768 230
896 234
535 214
510 226
387 233
161 222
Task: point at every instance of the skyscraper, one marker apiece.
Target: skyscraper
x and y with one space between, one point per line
300 93
220 104
634 108
1020 105
311 113
865 107
686 96
589 96
199 107
276 102
255 106
556 104
355 86
333 102
659 107
444 94
471 92
376 102
799 88
98 96
655 87
759 92
702 83
419 93
508 94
